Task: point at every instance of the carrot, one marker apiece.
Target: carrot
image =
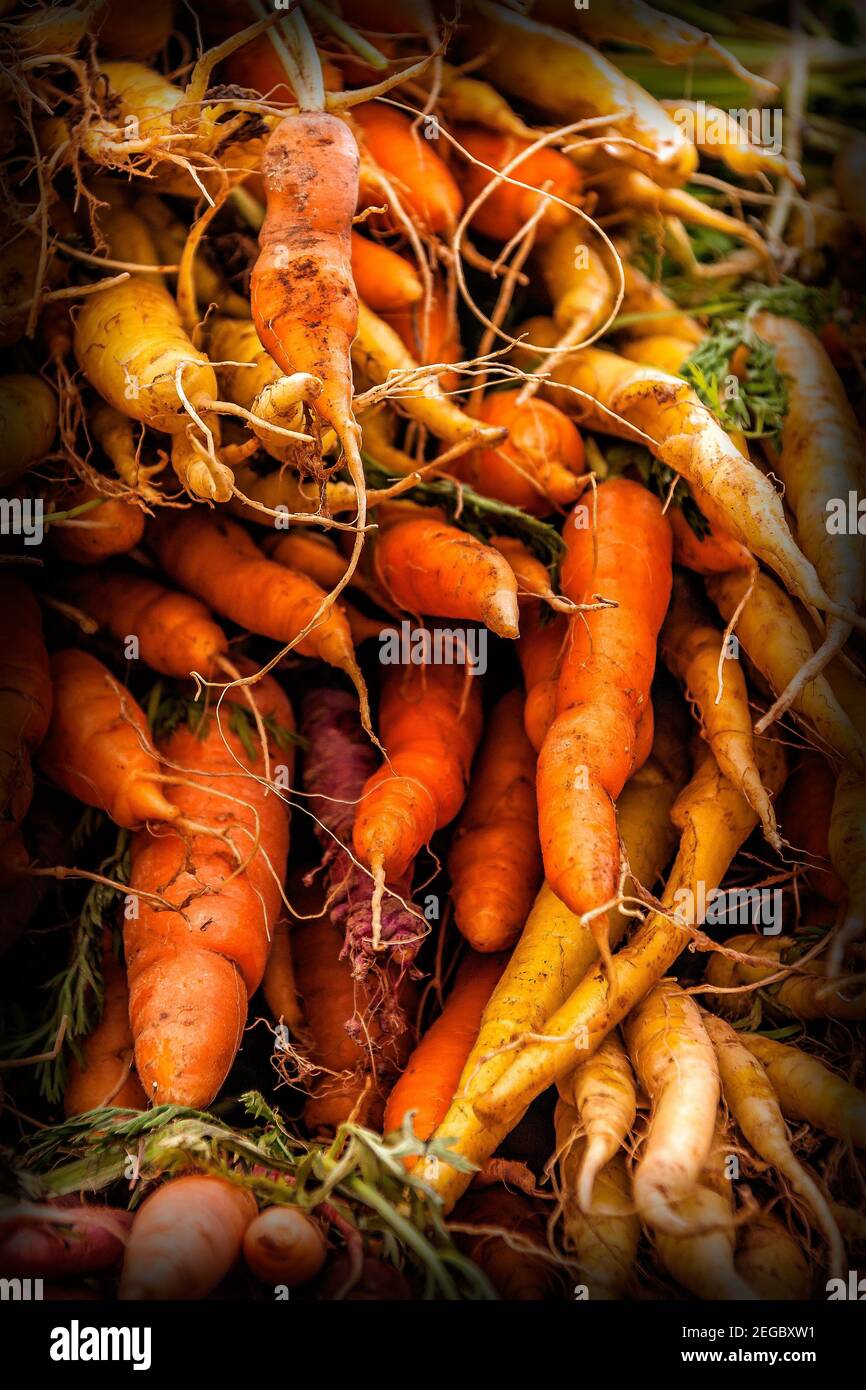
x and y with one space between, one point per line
809 1092
604 1243
357 1059
693 651
778 644
25 698
495 861
284 1246
192 969
602 1094
250 378
752 1102
28 423
662 350
423 181
554 952
215 558
590 749
134 33
506 1229
105 1075
820 463
423 1092
569 80
378 351
310 553
279 985
633 190
720 135
847 846
430 723
714 820
98 746
580 288
114 527
715 552
427 567
538 466
170 237
771 1261
185 1238
809 992
539 648
430 332
114 433
651 310
701 1258
175 633
385 281
663 412
805 816
508 207
303 299
674 1061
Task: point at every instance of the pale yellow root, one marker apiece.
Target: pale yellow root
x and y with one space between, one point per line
604 1243
753 1104
675 1063
702 1260
602 1091
810 1092
714 820
847 841
772 1262
806 992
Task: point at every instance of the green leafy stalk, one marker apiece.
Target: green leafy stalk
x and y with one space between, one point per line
171 710
757 405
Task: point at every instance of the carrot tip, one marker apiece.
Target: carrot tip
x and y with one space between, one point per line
502 613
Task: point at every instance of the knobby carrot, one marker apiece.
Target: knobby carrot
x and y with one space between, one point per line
603 1095
603 1243
495 860
538 466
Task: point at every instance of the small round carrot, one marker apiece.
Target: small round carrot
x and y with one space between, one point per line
426 567
538 466
508 207
185 1238
422 180
427 1086
98 746
384 280
284 1246
495 860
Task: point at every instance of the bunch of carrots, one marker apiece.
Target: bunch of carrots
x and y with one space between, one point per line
433 690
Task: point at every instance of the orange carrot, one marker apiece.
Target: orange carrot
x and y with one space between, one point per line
713 553
603 690
112 528
384 280
176 634
429 722
805 819
427 567
105 1075
500 1215
508 208
433 1070
284 1246
185 1238
192 970
422 180
542 642
431 333
537 466
279 984
216 559
98 746
532 575
495 860
25 698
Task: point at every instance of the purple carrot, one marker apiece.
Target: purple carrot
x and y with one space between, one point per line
337 763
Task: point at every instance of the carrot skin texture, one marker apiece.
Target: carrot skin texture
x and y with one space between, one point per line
433 1070
430 740
98 746
284 1246
495 859
423 181
121 527
106 1076
591 747
538 465
385 281
427 567
507 208
191 971
176 633
185 1238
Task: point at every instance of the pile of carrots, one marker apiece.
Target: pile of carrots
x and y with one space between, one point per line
433 689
